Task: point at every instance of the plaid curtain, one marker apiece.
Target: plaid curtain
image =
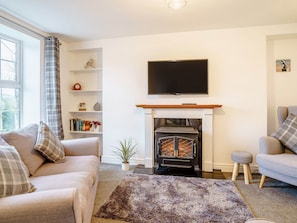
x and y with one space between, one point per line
52 85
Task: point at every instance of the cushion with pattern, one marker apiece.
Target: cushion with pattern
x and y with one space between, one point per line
287 133
49 145
13 177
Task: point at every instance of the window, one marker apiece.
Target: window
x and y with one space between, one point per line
10 83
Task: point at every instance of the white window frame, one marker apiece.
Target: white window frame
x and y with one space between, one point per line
18 83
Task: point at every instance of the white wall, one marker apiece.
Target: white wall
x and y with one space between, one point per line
237 75
65 86
282 85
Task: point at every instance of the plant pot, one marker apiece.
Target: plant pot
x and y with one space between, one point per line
125 166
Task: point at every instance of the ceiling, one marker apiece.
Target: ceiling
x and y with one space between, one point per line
80 20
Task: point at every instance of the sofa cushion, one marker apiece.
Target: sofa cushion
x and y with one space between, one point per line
3 142
13 176
24 140
83 181
72 164
49 145
292 109
284 163
287 133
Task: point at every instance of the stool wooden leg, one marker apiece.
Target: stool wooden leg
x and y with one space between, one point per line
263 178
250 173
235 171
246 173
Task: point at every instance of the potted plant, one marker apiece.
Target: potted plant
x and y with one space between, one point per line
125 151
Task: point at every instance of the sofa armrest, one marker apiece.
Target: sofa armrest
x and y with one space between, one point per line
81 146
50 206
270 145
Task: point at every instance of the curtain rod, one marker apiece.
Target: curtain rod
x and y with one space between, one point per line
22 27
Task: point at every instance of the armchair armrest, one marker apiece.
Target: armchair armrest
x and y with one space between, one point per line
81 146
44 206
270 145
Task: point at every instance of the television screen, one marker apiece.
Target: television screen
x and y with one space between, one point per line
178 77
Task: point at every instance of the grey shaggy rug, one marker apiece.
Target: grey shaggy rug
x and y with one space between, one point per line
143 198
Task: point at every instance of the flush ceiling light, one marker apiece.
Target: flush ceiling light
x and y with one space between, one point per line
176 4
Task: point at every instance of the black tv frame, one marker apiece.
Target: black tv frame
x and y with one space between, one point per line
177 77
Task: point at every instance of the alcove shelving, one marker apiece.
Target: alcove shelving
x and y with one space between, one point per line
86 70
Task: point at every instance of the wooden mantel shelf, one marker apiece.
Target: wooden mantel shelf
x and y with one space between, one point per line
211 106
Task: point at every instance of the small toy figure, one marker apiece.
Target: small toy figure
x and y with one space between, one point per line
90 64
82 106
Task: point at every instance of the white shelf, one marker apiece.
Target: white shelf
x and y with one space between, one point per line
86 132
85 91
95 112
83 50
85 70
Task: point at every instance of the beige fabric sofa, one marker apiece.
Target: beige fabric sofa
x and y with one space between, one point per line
65 192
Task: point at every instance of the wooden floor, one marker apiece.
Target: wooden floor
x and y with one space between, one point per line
216 174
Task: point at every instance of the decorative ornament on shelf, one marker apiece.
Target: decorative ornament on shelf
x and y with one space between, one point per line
76 87
95 126
90 64
87 125
82 106
96 107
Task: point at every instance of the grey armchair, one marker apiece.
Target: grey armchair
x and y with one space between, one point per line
274 159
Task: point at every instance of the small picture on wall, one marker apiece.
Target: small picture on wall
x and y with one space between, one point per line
283 65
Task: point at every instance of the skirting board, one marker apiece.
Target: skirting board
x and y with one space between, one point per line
224 167
115 160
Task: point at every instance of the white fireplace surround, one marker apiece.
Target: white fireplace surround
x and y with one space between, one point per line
204 112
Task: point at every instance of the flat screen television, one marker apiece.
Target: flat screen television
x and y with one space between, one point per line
178 77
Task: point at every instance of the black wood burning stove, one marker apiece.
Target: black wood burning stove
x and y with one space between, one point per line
178 146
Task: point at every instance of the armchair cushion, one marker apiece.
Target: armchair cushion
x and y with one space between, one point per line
13 177
49 145
287 133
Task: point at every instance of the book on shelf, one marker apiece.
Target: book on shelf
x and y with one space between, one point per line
84 125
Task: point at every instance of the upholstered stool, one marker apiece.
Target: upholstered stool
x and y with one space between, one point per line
245 158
